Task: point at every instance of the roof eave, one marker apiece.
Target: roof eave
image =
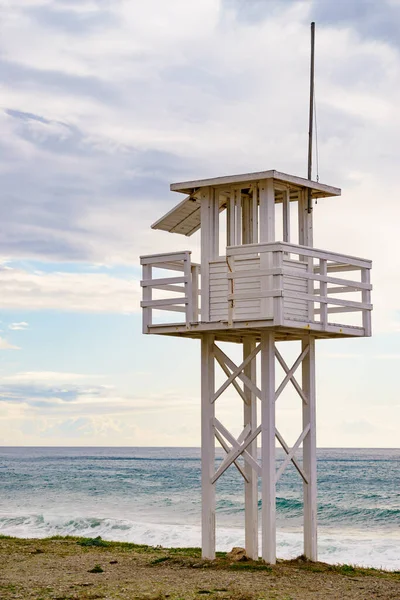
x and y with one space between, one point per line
319 190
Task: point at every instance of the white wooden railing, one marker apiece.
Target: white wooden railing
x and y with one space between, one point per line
184 288
299 283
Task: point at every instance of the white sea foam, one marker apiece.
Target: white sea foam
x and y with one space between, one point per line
335 547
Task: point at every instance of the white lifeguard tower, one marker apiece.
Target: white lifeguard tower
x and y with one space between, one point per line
255 289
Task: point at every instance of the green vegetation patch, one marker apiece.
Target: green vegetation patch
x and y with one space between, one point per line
250 566
346 570
96 569
186 552
343 569
159 560
97 541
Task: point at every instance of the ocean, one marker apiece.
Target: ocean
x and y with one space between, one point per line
153 496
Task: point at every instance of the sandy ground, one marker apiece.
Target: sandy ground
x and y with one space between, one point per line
59 569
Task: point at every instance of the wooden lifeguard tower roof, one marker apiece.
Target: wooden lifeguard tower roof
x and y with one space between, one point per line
185 217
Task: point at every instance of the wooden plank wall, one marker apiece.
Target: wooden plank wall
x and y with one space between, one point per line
294 308
251 309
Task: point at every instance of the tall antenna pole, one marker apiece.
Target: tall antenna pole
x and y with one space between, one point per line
311 115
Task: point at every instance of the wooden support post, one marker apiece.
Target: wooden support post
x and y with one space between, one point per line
251 486
366 297
306 239
277 280
246 220
323 291
267 211
187 269
254 217
286 215
206 252
268 447
267 234
215 223
310 451
305 221
238 205
231 219
195 272
207 446
147 296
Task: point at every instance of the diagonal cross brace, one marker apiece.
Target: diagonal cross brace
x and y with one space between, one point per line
228 374
220 429
292 378
292 452
236 443
237 371
293 459
227 450
291 372
237 450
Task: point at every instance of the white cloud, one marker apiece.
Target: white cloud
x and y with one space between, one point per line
21 326
40 406
84 292
5 345
48 378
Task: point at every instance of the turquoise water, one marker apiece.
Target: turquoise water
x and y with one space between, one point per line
153 495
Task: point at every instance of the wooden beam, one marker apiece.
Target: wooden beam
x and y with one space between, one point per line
215 222
344 260
207 447
188 290
286 216
228 374
147 297
206 256
238 447
235 369
291 372
293 381
310 452
254 209
251 485
366 299
277 284
326 300
268 485
292 452
294 460
187 187
165 257
162 281
225 446
267 234
255 295
238 209
323 291
163 303
195 275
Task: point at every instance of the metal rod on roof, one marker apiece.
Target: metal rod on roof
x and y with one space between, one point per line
311 115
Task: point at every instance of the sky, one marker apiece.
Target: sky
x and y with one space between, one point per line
104 104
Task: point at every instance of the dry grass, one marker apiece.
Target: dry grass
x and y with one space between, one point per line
86 569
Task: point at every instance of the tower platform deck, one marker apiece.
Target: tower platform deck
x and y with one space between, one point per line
241 330
291 288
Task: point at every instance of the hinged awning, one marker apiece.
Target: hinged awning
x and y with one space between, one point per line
183 218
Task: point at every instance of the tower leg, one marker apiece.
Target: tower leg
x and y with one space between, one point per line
268 447
207 447
250 486
310 452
